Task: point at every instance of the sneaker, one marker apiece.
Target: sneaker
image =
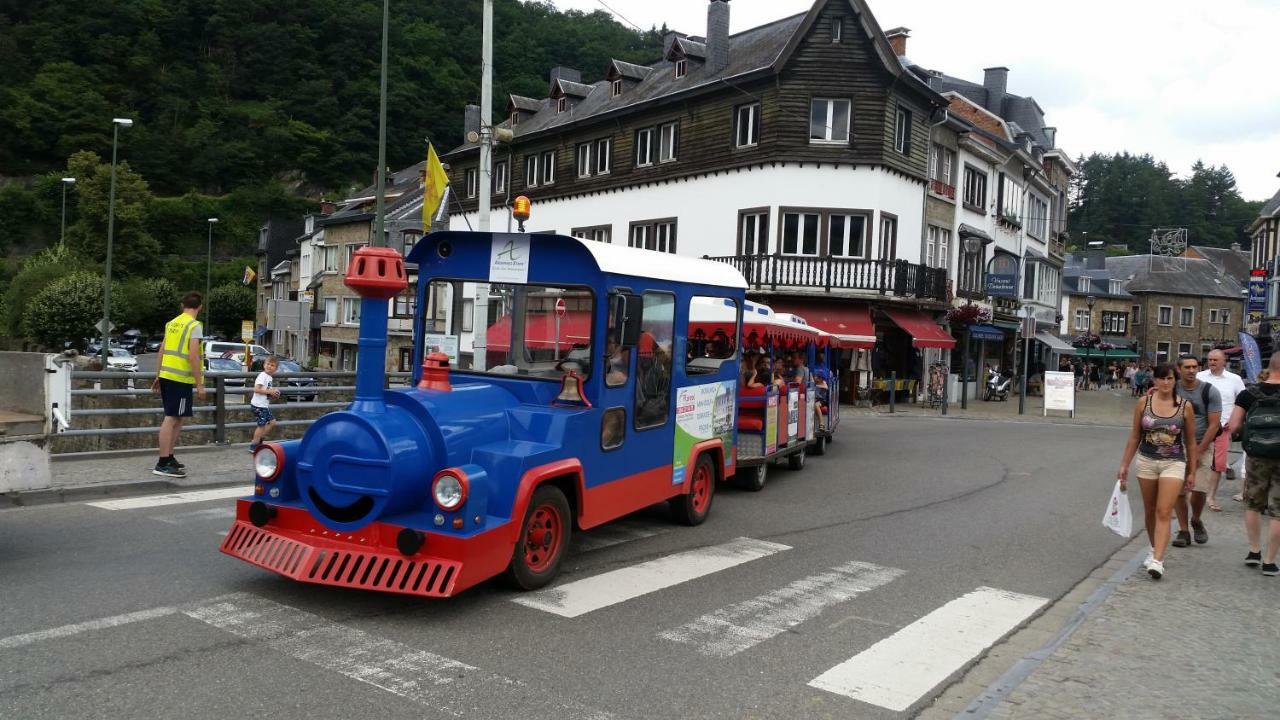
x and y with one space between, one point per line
1147 562
1253 559
252 448
173 460
1270 569
1183 539
1202 535
164 469
1155 569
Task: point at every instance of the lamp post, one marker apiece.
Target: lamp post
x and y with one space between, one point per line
208 274
1088 331
972 246
66 182
1027 313
117 123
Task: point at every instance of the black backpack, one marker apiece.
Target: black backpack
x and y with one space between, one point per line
1262 425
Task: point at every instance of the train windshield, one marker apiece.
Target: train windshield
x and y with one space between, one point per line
529 330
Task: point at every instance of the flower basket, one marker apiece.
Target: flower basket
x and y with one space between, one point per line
967 315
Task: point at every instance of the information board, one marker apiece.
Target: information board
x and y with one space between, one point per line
439 342
1060 392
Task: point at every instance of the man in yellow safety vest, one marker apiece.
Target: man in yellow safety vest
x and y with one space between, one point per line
180 372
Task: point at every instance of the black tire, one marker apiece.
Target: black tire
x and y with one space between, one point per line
795 461
752 478
532 567
820 445
693 507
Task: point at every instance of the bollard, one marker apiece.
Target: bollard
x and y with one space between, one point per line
219 411
893 389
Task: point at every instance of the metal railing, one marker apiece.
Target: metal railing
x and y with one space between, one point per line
886 277
220 399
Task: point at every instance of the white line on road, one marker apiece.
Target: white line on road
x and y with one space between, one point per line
583 596
728 631
616 533
423 677
17 641
897 671
173 498
217 513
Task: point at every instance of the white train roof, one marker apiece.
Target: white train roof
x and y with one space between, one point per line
622 260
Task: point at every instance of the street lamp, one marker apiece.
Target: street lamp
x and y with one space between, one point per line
66 182
972 246
1088 330
116 123
208 273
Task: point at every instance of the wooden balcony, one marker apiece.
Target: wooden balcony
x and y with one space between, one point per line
938 187
885 277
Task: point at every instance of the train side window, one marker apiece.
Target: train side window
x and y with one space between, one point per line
623 330
613 428
713 327
653 360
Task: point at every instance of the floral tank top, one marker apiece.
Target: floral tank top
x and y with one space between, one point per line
1162 436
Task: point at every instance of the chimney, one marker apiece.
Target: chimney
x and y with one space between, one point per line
898 40
1051 134
1235 247
470 121
996 81
561 72
328 207
717 36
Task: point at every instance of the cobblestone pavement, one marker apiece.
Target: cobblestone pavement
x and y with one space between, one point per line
1204 642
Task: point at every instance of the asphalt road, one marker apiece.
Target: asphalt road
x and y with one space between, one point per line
858 574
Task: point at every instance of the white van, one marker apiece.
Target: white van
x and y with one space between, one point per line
213 349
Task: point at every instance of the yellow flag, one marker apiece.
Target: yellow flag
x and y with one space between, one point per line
249 276
437 181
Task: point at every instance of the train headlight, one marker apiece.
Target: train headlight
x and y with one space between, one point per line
449 489
268 459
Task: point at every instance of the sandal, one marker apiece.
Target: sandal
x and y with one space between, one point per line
1238 497
1215 507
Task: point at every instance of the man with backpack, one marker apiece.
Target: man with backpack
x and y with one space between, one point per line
1207 403
1257 416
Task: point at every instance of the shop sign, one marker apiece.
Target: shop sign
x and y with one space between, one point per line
1002 276
1257 291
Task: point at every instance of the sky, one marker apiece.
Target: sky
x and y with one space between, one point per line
1179 79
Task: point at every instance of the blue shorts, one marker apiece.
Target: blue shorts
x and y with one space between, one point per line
263 415
176 397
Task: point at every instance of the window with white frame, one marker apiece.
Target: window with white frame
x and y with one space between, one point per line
1115 287
1082 320
1115 323
1165 316
753 232
682 68
351 311
584 159
596 233
1009 195
1213 316
902 131
329 256
330 311
975 189
659 235
1162 352
562 104
669 141
1037 218
972 276
604 155
473 182
408 239
305 271
888 237
531 173
828 120
469 313
500 178
548 167
405 304
1187 317
942 165
1184 349
800 233
747 125
351 250
1205 348
938 253
1050 284
847 235
645 147
617 87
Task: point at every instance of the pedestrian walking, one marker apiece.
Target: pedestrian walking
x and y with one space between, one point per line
261 401
1207 405
1130 377
1228 385
1159 442
1257 416
180 372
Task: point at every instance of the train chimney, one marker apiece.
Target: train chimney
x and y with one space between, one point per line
377 275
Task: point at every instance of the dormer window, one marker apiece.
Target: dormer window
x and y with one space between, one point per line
617 88
837 27
562 104
515 118
682 68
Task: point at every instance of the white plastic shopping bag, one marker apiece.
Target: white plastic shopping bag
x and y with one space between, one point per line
1119 518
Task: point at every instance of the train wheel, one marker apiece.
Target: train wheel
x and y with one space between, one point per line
694 506
752 478
795 461
543 539
820 445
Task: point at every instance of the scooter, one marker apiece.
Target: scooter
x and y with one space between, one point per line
998 384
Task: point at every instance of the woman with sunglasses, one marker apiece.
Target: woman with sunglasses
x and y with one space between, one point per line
1165 460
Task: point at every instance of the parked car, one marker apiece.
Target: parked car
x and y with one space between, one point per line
216 366
154 344
94 346
302 389
216 348
131 340
121 359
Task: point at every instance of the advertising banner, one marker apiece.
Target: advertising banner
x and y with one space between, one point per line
771 425
1257 293
793 413
1060 392
1252 358
703 412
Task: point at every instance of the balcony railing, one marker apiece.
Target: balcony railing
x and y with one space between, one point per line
940 188
886 277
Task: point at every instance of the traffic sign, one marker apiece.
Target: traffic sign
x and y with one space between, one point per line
246 330
560 307
103 322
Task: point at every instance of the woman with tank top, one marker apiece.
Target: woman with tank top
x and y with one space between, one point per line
1161 422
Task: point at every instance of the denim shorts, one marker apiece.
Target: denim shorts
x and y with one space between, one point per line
263 415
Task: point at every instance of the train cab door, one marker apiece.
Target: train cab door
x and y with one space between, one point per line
637 389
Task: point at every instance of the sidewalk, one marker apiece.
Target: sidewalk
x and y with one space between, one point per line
1204 642
1093 407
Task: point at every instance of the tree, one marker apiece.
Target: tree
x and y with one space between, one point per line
37 272
230 304
149 303
67 310
133 247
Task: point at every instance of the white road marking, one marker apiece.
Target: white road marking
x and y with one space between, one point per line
730 630
17 641
173 498
616 533
897 671
217 513
583 596
438 682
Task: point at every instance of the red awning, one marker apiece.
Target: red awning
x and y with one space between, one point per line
924 332
851 322
540 331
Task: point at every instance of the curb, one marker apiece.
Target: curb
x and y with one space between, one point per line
135 452
82 493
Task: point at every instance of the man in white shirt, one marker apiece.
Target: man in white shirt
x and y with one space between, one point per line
1228 385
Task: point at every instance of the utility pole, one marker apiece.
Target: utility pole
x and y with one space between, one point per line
62 237
116 123
480 323
379 239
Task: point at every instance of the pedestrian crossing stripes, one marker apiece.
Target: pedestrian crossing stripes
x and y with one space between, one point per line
599 591
179 498
897 671
438 682
181 518
728 631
